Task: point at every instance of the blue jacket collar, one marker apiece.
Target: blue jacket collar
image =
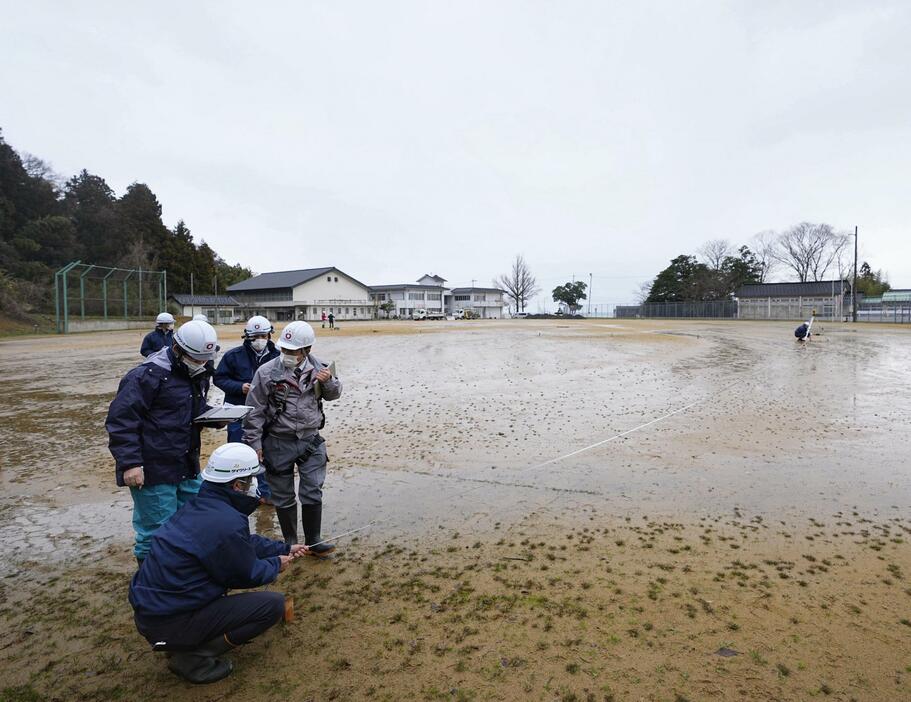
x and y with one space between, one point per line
244 504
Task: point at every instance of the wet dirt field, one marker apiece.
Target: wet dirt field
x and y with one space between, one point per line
597 509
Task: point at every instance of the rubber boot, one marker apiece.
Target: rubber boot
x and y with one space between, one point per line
311 518
287 520
202 666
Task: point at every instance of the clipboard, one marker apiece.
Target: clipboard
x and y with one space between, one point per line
221 414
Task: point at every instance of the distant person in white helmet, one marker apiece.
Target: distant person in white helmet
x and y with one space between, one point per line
200 318
179 594
235 373
152 437
287 396
160 337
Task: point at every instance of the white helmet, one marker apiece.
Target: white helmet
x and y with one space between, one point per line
200 317
198 340
164 318
258 325
297 335
231 461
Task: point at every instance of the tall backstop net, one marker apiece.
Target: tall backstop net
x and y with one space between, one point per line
87 296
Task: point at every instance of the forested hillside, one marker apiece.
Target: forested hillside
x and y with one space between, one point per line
47 221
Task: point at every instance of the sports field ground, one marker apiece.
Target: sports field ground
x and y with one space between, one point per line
545 510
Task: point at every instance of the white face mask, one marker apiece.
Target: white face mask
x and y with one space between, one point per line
192 368
253 490
258 344
289 361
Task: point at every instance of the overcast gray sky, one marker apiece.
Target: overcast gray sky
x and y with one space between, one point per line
392 139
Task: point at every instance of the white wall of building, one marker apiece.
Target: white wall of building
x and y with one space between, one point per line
331 286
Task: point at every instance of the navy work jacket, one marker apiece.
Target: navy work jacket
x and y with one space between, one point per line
150 420
156 340
237 367
203 551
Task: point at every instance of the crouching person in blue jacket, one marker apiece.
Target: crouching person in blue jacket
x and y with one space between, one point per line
150 427
179 595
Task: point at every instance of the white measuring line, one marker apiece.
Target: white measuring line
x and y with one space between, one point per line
572 453
615 437
641 426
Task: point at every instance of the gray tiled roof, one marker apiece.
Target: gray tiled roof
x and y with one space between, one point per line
284 279
819 288
181 299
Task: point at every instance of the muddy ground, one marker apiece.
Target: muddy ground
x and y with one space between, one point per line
534 532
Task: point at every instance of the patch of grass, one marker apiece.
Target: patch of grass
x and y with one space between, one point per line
23 693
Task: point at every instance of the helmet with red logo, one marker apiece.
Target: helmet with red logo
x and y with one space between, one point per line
198 340
257 325
297 335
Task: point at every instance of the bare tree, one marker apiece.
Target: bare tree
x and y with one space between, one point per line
810 250
39 168
643 292
714 252
763 246
520 285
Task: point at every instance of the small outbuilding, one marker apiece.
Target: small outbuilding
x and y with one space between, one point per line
219 309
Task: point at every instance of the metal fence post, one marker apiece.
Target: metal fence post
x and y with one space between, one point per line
126 307
82 291
104 290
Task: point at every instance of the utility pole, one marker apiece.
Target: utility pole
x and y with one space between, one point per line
854 284
191 283
216 300
590 294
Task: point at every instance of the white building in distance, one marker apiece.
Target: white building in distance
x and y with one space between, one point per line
486 303
430 293
284 296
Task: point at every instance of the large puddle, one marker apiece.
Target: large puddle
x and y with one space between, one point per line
468 425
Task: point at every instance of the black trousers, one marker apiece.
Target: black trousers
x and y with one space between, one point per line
240 618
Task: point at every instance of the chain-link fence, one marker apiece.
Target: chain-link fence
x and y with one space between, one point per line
89 297
895 313
830 309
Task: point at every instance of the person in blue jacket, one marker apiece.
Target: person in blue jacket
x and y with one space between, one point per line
160 337
179 593
150 428
235 373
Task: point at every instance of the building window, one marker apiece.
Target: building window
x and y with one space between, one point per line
479 298
329 278
397 296
461 298
256 296
433 296
415 296
336 279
